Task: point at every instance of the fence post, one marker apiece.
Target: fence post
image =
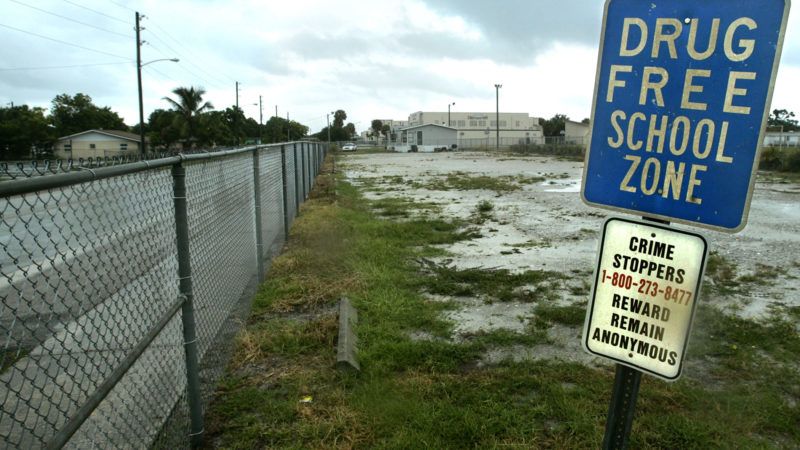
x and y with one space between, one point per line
285 195
296 182
303 167
193 394
257 201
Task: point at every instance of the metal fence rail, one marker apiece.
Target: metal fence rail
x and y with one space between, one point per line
122 285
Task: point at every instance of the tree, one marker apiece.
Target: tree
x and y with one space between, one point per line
72 115
163 128
351 129
189 106
784 119
554 125
386 130
377 127
23 130
338 118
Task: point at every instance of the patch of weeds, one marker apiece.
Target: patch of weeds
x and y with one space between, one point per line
567 315
462 181
764 274
494 284
506 338
544 243
402 207
522 179
483 212
10 356
722 271
582 289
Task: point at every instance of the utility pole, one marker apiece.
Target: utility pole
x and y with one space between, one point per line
328 117
288 128
139 80
448 113
260 118
497 113
236 115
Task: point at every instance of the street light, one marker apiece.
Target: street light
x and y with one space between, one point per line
497 114
260 118
139 66
327 116
448 113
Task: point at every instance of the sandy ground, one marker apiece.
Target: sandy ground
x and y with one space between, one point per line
545 225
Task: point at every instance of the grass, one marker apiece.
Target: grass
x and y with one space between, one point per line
742 392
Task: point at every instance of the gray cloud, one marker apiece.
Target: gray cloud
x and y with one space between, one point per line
516 30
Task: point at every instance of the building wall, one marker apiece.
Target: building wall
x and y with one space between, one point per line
93 145
478 121
576 133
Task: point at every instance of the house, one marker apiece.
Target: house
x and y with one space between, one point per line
427 138
576 133
97 144
781 139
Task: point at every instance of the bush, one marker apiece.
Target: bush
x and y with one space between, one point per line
550 149
780 159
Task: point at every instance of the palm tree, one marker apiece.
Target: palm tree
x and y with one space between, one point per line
189 107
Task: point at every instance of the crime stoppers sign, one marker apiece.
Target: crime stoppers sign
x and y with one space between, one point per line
644 296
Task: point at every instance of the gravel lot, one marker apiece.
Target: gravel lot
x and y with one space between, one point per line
545 225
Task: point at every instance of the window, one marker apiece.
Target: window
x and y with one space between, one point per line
92 146
518 124
473 123
503 123
462 123
481 123
67 147
419 137
492 123
123 147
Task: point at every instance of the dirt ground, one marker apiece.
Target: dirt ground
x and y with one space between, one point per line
544 225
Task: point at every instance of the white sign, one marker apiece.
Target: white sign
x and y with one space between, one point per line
644 296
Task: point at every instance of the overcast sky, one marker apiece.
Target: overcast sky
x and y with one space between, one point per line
374 59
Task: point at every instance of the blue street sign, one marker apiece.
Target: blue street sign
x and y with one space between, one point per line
682 95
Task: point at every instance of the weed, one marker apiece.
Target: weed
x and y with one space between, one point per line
495 284
485 206
566 315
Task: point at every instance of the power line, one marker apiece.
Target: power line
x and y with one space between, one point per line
183 58
63 42
65 67
97 12
70 19
122 6
188 52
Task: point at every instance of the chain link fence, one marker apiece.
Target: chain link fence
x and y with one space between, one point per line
123 286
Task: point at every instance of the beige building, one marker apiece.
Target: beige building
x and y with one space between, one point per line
480 128
576 133
97 144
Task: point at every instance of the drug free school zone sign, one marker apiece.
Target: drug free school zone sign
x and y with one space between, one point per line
681 98
682 94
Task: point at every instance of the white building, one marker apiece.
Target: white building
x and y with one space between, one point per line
427 138
781 139
479 129
576 133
